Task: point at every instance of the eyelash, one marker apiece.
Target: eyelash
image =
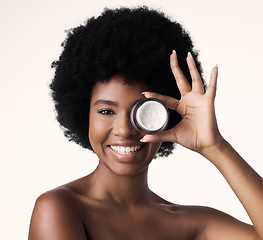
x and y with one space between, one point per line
106 112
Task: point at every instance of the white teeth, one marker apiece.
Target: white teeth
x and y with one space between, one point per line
125 150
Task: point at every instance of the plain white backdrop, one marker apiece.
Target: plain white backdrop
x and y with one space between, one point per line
35 156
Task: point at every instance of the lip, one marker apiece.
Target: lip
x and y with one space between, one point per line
126 143
125 158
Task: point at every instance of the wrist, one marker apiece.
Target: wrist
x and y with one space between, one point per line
214 150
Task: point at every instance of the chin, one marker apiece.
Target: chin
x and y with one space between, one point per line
126 169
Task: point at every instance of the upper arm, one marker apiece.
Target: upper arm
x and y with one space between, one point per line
219 225
54 218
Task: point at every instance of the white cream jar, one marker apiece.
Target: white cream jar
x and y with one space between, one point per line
149 116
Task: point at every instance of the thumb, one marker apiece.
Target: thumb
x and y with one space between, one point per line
165 136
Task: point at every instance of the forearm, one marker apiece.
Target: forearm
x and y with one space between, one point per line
244 181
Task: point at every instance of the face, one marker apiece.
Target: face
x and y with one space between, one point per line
112 136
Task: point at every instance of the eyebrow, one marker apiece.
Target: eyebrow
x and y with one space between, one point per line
112 103
107 102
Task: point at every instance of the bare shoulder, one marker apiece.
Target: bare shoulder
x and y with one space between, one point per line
55 217
214 224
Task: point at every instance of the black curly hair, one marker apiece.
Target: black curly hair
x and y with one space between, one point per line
135 42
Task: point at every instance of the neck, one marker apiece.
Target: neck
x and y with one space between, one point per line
125 190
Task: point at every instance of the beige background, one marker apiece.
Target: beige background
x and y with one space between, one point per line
35 156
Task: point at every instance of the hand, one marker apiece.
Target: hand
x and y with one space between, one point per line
198 129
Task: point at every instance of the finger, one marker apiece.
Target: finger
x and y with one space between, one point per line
197 85
211 90
181 81
165 136
170 102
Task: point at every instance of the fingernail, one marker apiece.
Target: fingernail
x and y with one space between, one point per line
216 66
189 54
173 52
144 139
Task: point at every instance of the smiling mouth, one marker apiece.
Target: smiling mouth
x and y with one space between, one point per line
126 150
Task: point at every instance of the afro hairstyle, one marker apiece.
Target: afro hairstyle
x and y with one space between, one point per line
135 42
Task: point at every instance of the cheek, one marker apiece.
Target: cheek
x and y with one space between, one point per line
98 132
154 149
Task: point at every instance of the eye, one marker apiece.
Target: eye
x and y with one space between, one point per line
106 112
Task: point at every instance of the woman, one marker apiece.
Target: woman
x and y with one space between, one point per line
108 65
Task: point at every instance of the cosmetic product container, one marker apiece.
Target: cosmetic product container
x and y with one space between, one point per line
149 116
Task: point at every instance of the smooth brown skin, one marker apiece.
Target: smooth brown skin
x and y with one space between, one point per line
115 203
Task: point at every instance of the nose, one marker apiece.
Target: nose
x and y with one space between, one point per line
123 126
